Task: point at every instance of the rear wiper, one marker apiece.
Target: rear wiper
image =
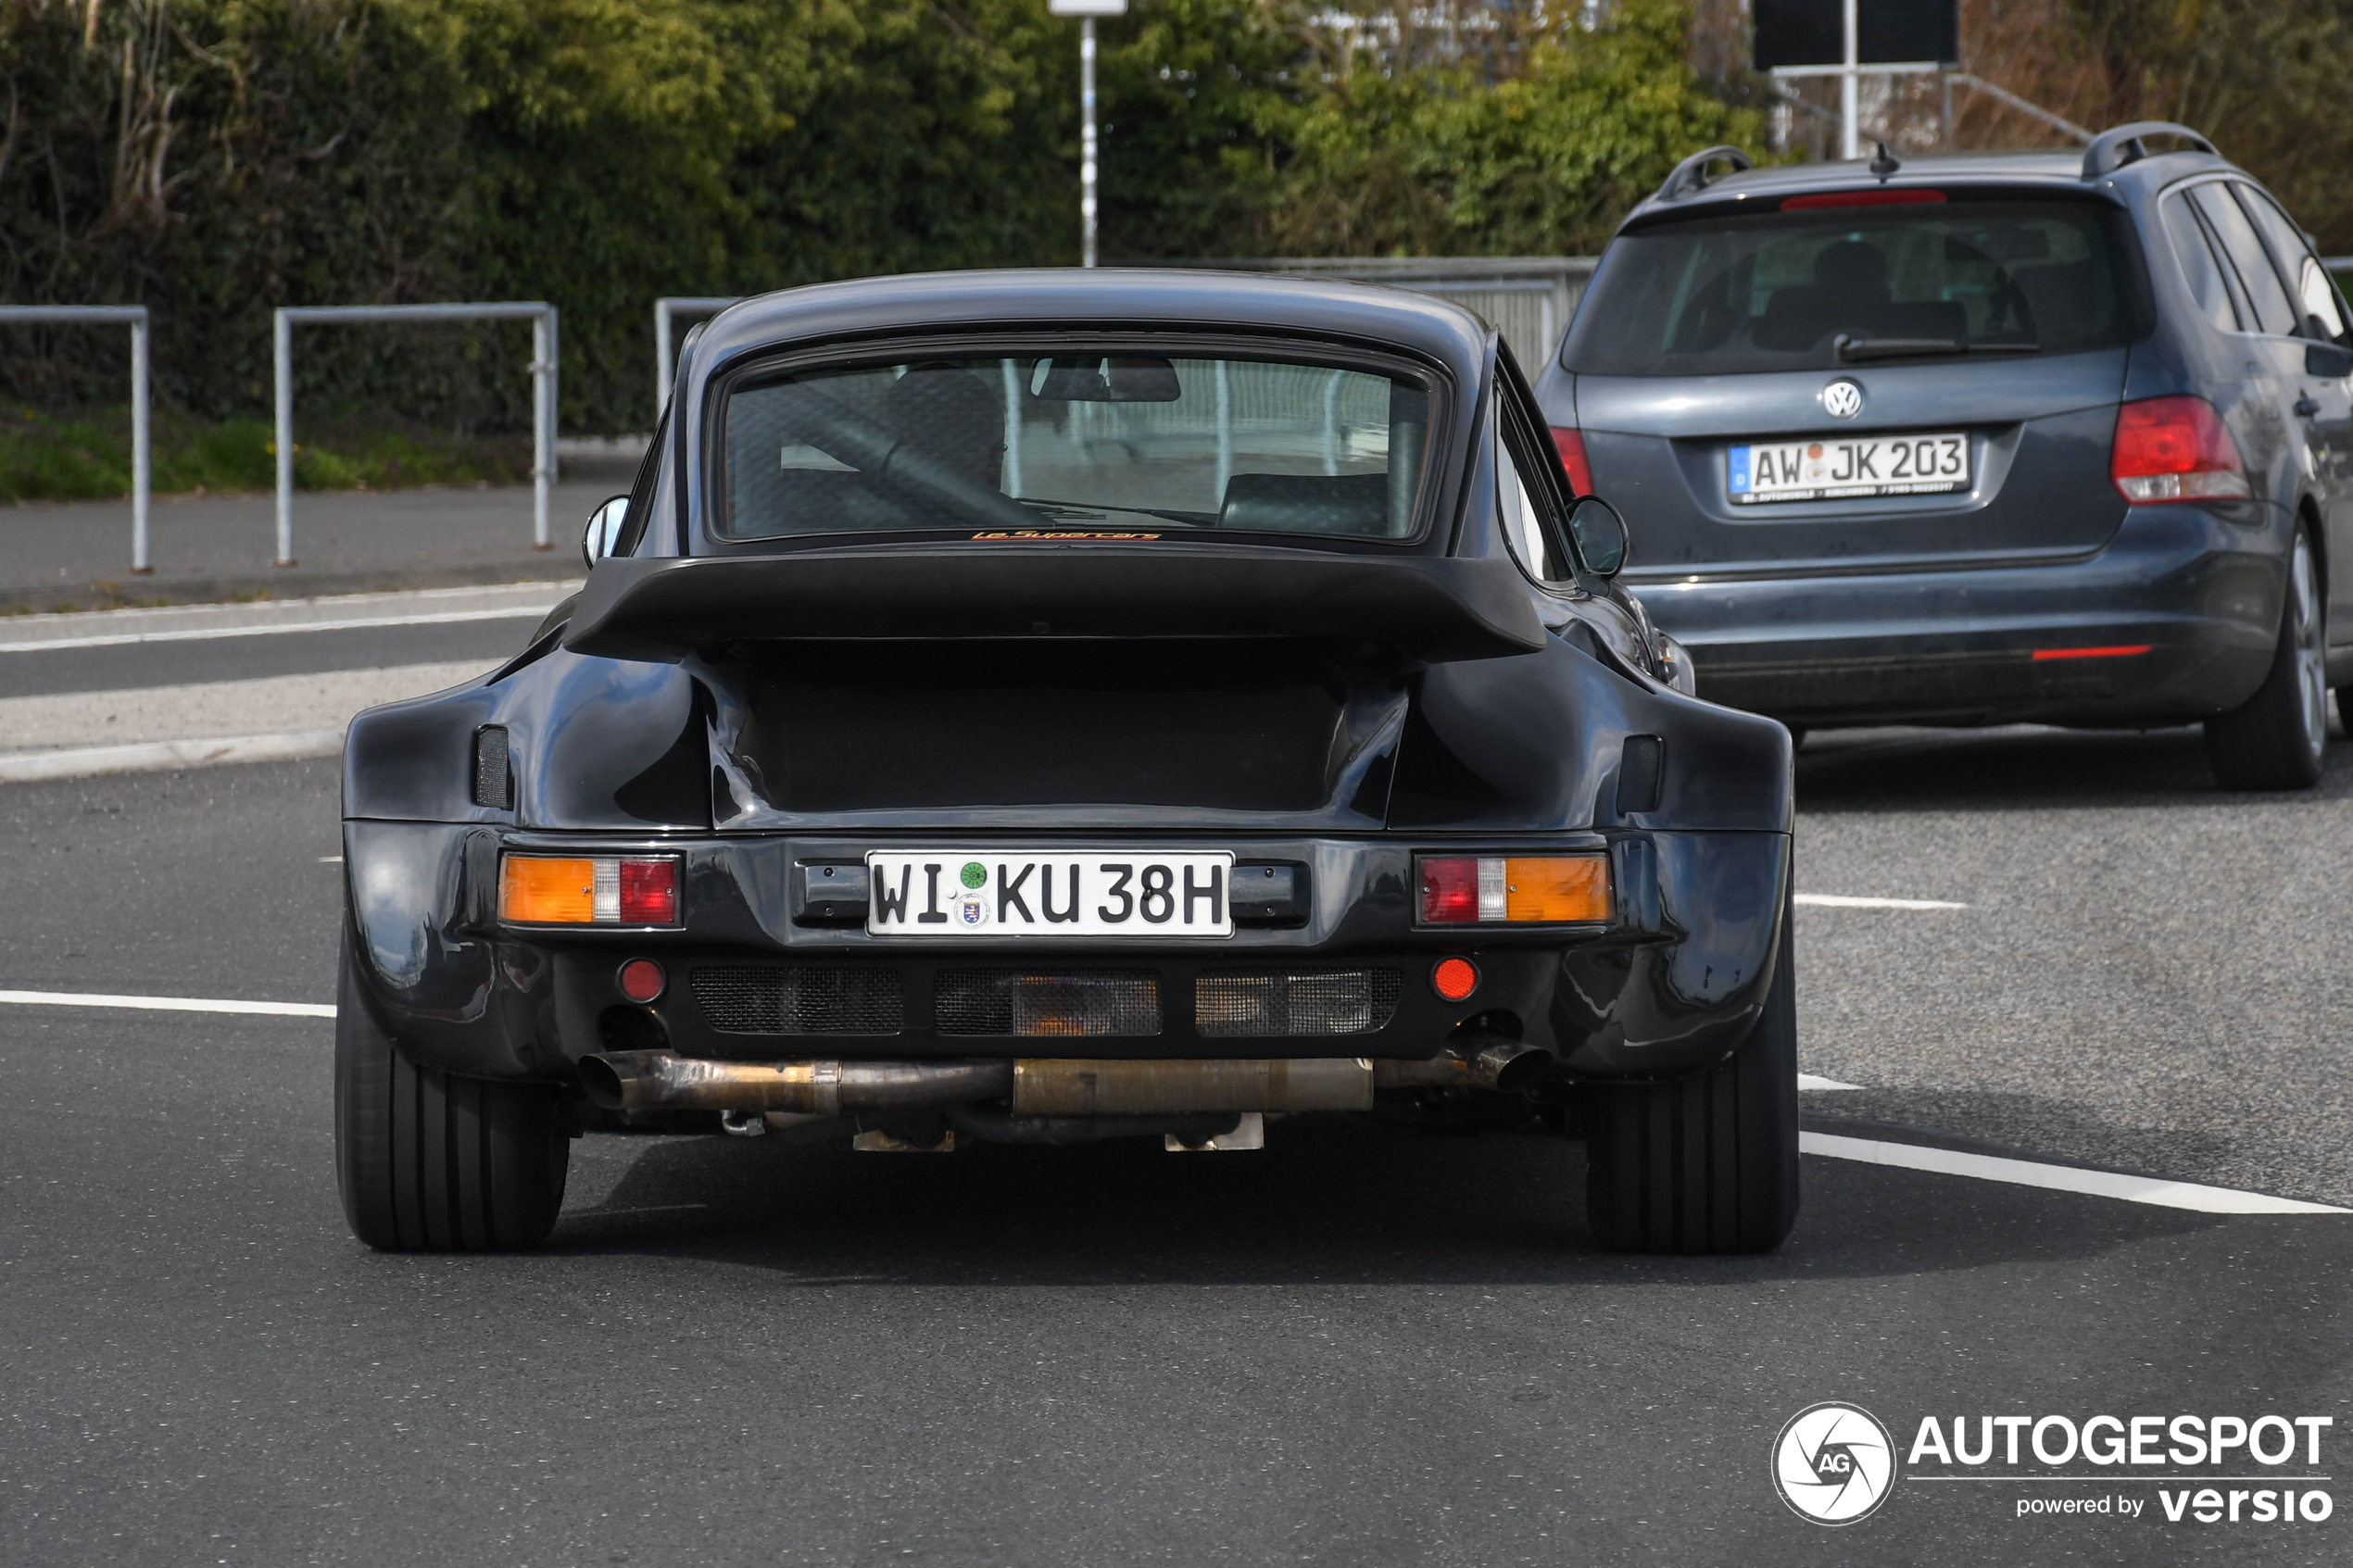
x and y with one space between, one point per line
1852 349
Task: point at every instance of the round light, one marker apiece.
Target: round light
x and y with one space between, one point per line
642 979
1455 979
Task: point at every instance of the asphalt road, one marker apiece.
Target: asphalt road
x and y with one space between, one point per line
1359 1347
2150 974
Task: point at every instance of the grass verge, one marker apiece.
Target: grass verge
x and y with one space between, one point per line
87 457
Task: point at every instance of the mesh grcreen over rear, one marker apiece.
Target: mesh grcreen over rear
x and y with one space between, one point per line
810 1001
1095 1002
1346 1001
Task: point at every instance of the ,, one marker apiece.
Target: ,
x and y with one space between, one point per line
1045 707
1983 439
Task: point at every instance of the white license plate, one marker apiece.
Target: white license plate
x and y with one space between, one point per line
1858 465
999 893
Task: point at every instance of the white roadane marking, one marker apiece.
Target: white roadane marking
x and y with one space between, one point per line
310 1010
71 627
197 634
162 756
1869 1151
1840 901
2058 1178
74 735
167 1004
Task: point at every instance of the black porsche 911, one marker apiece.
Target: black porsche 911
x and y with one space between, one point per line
1045 707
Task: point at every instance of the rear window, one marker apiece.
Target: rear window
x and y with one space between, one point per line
1842 286
1076 439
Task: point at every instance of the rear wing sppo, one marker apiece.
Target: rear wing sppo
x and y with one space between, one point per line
1430 608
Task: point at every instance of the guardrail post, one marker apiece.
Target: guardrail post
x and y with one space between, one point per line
543 423
136 317
1224 430
141 473
282 328
666 310
544 385
661 359
1010 372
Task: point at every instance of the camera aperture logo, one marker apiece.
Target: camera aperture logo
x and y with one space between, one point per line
1833 1463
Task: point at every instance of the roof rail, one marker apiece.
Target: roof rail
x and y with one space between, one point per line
1692 174
2111 150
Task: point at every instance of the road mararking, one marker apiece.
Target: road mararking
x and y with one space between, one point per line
1360 1346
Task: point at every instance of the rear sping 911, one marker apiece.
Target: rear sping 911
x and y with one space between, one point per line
1118 706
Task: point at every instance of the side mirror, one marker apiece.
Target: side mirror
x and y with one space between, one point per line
1600 535
604 529
2327 360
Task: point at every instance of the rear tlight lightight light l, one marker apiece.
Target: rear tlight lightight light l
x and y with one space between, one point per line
1570 445
2175 450
588 890
1504 889
1878 195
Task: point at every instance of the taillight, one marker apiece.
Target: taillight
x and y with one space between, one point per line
588 890
1482 889
1451 891
1570 444
2175 450
1878 196
648 892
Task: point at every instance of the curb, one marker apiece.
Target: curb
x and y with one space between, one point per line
153 756
556 565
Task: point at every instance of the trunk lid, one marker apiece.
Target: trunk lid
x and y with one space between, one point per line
1094 734
2038 431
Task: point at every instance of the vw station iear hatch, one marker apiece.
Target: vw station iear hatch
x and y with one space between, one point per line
1982 439
1039 708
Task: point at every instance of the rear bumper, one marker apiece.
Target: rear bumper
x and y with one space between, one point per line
2200 589
1668 986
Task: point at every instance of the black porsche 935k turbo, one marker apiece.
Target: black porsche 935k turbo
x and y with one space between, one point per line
1039 707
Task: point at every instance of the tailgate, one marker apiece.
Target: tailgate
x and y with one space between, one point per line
2038 433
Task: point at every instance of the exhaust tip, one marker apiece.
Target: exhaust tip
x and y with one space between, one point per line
601 1082
1512 1066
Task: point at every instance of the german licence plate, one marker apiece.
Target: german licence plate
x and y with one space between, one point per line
1000 893
1866 465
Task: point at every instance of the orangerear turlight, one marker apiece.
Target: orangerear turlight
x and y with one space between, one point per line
588 889
1514 889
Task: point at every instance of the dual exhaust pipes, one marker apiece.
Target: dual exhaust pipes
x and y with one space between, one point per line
650 1081
663 1080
